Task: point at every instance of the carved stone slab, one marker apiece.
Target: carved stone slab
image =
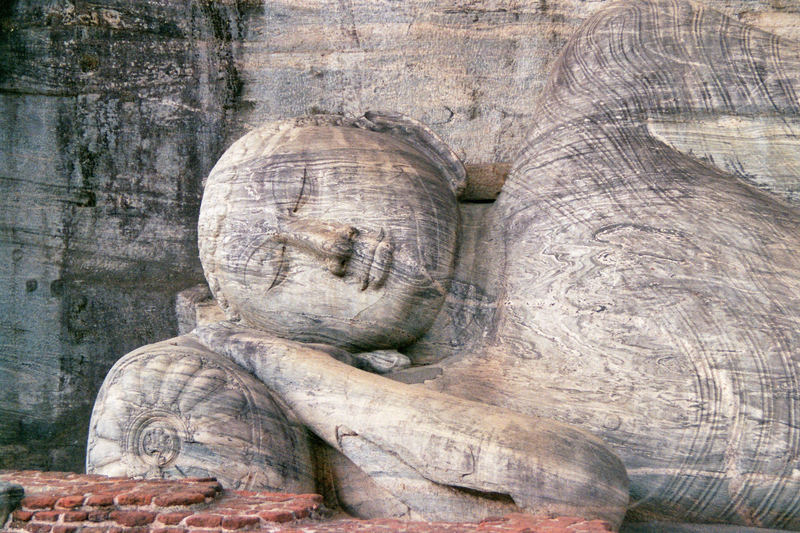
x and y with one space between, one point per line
173 409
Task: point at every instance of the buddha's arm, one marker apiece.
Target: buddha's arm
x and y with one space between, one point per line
543 465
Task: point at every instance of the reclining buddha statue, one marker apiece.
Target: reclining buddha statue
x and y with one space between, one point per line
617 333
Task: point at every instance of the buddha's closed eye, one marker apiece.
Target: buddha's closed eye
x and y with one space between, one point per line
299 198
280 271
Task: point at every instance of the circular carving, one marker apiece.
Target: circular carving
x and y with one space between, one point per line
173 410
154 438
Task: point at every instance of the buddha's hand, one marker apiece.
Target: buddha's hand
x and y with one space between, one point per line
247 345
242 344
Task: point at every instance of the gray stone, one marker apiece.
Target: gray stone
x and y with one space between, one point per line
10 496
113 112
328 236
105 135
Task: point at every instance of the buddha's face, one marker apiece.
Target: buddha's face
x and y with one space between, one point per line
329 234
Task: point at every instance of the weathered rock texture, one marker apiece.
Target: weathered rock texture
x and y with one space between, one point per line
342 233
638 277
112 112
110 115
648 293
308 206
441 457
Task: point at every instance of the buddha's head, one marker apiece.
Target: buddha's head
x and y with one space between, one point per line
333 231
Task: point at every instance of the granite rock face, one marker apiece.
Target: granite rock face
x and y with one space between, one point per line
112 113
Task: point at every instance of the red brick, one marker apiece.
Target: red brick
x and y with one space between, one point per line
134 498
124 485
179 498
132 518
229 512
75 516
101 499
562 521
276 515
314 498
40 501
38 528
208 491
204 520
275 496
97 516
101 529
170 519
300 513
70 502
22 516
141 529
240 506
303 507
94 477
65 529
168 530
47 516
239 522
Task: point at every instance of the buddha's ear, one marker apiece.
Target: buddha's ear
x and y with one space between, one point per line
423 139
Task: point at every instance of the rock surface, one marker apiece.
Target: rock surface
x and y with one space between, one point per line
10 496
642 290
113 112
442 458
647 294
110 115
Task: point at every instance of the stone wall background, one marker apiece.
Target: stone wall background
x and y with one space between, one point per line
113 111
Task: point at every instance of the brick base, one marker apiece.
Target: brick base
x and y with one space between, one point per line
59 502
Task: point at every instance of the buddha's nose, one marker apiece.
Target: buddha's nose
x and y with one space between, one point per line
331 243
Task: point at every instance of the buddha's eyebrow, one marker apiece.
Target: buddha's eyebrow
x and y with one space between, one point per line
302 190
